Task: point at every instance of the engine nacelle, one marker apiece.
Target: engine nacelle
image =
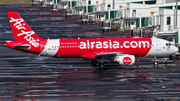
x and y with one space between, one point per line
125 59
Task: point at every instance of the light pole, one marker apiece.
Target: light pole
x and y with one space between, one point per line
140 25
176 14
113 4
86 6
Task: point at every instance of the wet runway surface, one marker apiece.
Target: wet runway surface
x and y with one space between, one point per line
27 76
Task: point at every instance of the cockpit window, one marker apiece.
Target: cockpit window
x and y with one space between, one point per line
168 44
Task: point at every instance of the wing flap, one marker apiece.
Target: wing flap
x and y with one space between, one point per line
112 53
109 53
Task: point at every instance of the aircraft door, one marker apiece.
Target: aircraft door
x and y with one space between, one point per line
158 45
42 48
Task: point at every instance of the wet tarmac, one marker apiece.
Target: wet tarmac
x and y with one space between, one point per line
24 76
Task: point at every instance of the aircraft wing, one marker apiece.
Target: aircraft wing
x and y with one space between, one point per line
108 53
112 53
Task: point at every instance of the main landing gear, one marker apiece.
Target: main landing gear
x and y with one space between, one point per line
99 65
94 62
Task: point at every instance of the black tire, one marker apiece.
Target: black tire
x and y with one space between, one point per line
101 65
155 64
170 57
93 62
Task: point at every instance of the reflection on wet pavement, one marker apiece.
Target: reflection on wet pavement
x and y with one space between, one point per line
27 76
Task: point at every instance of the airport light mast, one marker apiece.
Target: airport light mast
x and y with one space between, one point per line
113 4
176 15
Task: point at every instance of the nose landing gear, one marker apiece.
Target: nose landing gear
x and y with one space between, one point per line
155 62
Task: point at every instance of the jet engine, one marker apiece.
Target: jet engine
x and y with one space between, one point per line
125 59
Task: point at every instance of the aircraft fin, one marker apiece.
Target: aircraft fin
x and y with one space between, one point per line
20 29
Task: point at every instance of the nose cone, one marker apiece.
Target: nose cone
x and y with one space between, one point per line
176 49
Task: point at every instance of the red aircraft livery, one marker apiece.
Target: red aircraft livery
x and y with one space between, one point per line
120 50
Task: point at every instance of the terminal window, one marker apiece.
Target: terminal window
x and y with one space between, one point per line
168 20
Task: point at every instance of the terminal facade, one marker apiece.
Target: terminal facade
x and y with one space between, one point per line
156 15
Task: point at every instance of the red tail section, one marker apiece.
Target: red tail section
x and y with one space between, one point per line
21 31
24 37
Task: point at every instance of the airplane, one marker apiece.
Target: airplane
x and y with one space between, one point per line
120 50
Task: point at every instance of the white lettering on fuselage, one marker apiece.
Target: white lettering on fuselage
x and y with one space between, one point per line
127 60
113 44
28 34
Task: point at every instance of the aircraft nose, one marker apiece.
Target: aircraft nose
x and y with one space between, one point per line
176 49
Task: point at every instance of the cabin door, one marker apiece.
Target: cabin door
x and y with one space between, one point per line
158 45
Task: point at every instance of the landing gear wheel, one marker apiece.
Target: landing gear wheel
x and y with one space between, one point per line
101 65
177 57
170 57
155 62
93 62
